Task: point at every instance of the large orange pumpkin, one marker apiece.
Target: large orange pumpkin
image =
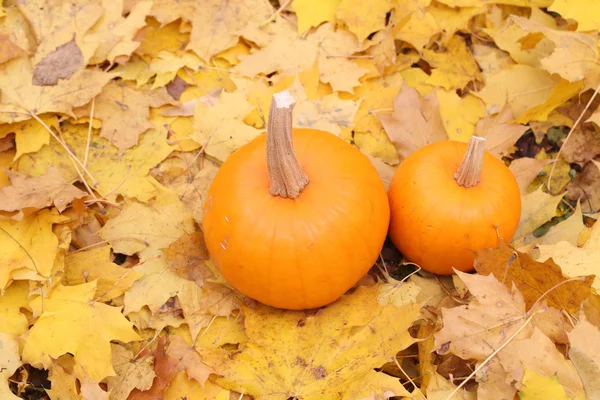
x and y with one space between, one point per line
295 218
449 199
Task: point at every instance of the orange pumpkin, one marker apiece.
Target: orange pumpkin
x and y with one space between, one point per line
295 218
449 199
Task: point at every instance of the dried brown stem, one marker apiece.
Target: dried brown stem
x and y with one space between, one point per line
286 177
469 172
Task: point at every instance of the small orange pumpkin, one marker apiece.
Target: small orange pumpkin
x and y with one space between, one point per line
295 218
449 199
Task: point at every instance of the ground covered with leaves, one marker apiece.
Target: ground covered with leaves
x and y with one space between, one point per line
116 115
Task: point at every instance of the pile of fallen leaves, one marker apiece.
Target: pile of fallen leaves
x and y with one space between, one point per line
115 116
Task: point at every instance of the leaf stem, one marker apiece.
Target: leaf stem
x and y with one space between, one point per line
469 172
286 177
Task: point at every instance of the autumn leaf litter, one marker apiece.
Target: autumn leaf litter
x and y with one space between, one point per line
115 117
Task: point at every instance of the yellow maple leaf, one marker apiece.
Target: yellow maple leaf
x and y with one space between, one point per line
574 57
335 68
15 26
158 37
13 298
312 13
30 135
20 97
537 208
449 19
9 362
363 17
475 3
220 129
217 25
328 113
136 69
115 173
28 247
92 264
563 91
282 50
417 29
120 102
64 385
583 11
192 187
72 323
165 65
509 37
131 372
538 386
567 231
114 34
135 229
454 66
290 353
521 86
184 387
369 134
56 23
460 115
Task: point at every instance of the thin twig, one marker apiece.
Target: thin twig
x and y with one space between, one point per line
408 377
589 103
64 145
89 137
487 360
342 56
276 13
445 289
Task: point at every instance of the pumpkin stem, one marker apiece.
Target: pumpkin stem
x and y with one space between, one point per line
286 177
469 172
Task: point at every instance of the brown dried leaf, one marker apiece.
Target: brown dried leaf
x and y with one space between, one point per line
38 192
585 187
525 170
125 112
62 63
176 87
475 330
415 121
189 359
539 353
132 372
187 256
583 144
498 132
164 369
532 278
585 355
